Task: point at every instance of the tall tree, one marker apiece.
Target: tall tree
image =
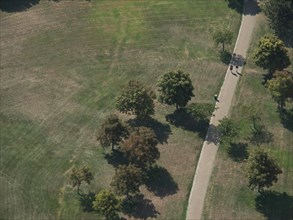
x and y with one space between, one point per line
271 54
176 88
127 180
111 132
140 147
136 99
77 176
107 204
228 129
223 36
281 87
280 15
262 170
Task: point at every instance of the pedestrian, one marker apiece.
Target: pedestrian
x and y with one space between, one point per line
216 97
236 69
231 68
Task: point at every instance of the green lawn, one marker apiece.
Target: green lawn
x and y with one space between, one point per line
229 196
62 65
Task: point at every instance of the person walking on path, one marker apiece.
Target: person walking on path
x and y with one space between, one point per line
216 97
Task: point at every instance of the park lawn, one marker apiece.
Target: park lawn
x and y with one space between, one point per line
228 195
62 65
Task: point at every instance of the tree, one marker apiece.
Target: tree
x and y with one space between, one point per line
271 54
280 15
140 147
228 129
136 99
281 87
107 204
223 36
127 180
176 88
260 134
111 132
200 111
262 171
79 176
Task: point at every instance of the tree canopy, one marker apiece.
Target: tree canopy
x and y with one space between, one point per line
112 131
136 99
271 54
175 88
223 36
77 176
281 87
127 180
228 129
262 170
140 147
280 15
107 204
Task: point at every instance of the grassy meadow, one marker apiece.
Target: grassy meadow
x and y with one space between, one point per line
229 196
62 65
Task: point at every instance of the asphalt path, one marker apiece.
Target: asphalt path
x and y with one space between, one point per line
211 143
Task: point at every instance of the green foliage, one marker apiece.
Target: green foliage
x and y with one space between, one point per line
228 129
176 88
136 99
271 54
127 180
262 170
140 147
280 14
223 36
112 131
260 134
281 87
82 175
107 204
200 111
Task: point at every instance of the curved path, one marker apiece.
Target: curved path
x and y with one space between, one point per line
210 145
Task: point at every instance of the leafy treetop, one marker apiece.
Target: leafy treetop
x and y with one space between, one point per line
271 54
136 99
176 88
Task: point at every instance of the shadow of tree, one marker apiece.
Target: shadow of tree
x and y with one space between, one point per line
139 207
275 205
116 158
16 5
86 201
287 118
238 151
213 135
181 118
225 57
160 182
161 130
237 5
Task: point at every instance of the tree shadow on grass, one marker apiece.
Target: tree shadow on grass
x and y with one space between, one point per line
86 201
16 5
238 151
275 205
115 158
181 118
237 5
139 207
161 130
287 118
160 182
225 57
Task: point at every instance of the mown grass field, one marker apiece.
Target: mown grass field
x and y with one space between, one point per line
62 65
229 196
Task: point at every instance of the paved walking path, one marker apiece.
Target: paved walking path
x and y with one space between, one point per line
210 145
